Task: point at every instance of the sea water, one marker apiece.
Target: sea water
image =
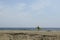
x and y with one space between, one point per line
56 29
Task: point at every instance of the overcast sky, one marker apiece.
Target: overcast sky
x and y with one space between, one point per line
30 13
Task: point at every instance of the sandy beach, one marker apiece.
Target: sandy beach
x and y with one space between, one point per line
29 35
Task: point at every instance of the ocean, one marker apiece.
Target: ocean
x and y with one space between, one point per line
56 29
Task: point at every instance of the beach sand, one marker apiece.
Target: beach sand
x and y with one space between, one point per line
29 35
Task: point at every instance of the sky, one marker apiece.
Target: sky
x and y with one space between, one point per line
30 13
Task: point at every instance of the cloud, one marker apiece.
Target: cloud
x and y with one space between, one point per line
27 13
14 15
20 6
40 4
12 10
